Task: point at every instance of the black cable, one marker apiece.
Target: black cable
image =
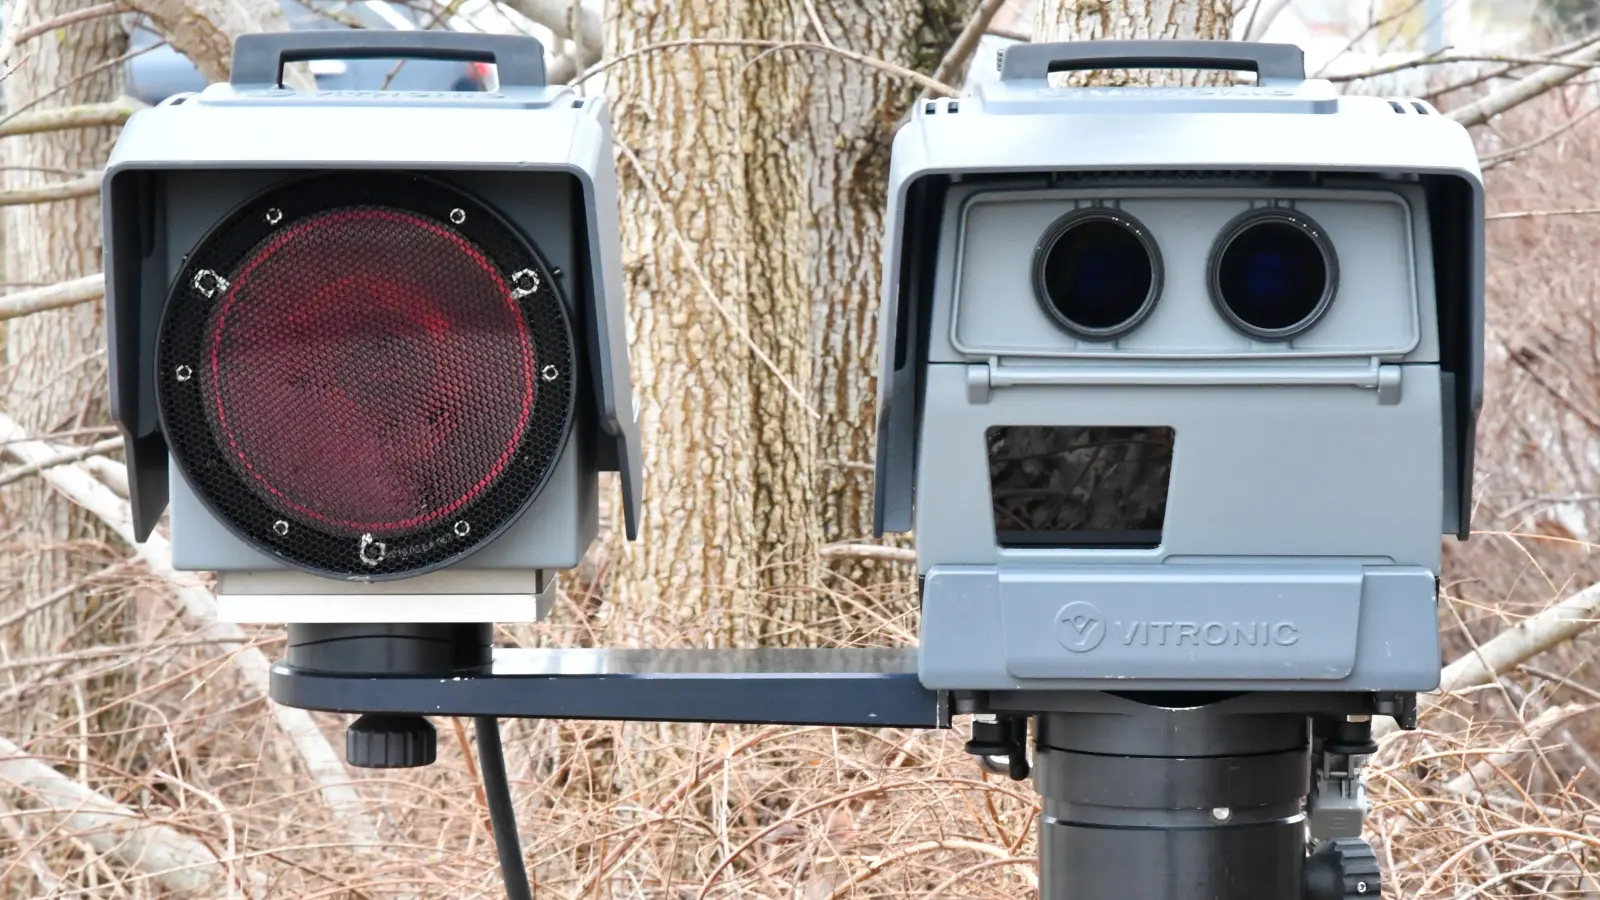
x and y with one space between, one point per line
502 818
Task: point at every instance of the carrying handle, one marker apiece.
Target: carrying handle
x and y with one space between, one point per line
258 59
1280 63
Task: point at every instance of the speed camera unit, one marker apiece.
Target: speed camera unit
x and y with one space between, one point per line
369 345
1179 385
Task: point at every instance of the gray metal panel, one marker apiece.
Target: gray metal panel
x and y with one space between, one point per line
985 304
1013 128
1328 625
1257 470
529 131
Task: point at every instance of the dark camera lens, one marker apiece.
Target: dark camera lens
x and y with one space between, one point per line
1098 273
1273 274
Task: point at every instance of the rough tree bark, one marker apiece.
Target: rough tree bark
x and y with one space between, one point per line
55 360
756 382
677 117
850 115
1082 20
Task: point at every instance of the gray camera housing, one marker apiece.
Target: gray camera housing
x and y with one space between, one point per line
540 155
1310 479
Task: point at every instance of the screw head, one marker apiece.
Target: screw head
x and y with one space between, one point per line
183 373
458 215
462 528
274 216
550 373
280 527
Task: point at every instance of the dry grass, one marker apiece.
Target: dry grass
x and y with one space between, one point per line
1491 798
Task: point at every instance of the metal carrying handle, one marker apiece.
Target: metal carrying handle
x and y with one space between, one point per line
1271 62
258 59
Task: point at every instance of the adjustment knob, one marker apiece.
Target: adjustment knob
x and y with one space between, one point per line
390 742
1343 869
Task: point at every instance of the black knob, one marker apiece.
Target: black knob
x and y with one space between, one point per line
390 742
1343 869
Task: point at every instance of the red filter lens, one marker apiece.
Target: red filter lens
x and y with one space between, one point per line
366 374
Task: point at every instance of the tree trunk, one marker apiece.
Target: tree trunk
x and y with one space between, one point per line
1065 20
56 360
677 117
851 113
756 403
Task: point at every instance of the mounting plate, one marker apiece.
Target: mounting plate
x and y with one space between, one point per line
846 687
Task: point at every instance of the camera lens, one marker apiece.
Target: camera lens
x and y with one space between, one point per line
1098 273
1273 274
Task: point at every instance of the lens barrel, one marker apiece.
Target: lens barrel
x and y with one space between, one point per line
1273 273
1097 272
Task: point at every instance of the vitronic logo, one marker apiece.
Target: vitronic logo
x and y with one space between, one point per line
1216 634
1080 627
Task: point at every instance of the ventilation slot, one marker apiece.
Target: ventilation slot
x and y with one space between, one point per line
1397 107
1420 107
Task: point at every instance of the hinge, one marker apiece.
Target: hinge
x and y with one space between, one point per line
984 378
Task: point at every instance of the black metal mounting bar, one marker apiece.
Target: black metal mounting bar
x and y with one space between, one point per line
848 687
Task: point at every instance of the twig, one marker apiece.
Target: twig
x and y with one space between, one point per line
966 43
921 80
323 764
1537 729
26 855
878 865
174 860
66 293
1504 156
61 118
1441 59
61 21
71 456
1509 649
1541 214
1258 24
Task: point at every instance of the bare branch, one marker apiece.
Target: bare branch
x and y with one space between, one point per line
324 765
11 42
174 860
556 16
55 296
1552 76
1504 156
1514 646
966 43
61 118
1262 17
71 456
917 78
869 551
87 186
1483 770
203 31
1441 59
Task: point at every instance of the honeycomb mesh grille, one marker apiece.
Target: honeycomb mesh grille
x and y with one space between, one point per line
366 375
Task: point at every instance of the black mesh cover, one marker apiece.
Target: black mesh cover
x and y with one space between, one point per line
366 375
